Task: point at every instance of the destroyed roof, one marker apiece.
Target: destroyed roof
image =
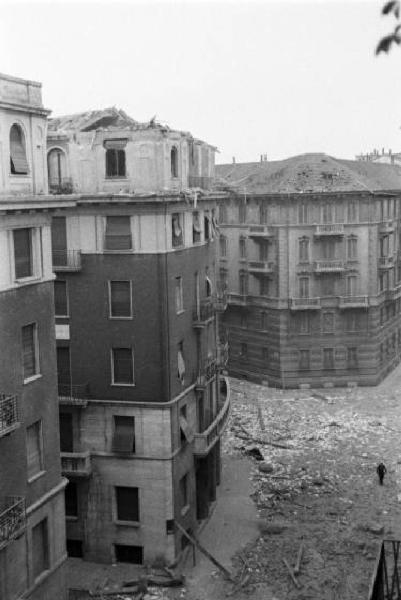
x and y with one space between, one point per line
308 173
91 120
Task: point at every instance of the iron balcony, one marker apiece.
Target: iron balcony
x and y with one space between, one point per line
237 299
73 395
386 262
353 302
305 304
9 420
76 464
12 518
330 229
386 227
328 266
258 267
203 442
67 260
204 313
260 232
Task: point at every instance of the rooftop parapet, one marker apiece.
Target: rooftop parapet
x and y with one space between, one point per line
21 94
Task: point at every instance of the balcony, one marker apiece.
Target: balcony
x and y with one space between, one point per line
330 229
305 303
261 268
222 355
328 266
76 464
385 583
204 313
12 518
386 227
237 299
65 186
73 395
66 260
386 262
203 442
353 302
201 182
207 372
9 420
260 232
220 301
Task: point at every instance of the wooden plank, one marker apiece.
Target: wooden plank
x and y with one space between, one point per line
295 582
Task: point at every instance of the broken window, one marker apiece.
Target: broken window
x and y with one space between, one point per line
18 159
56 167
186 433
120 299
174 161
124 434
127 503
196 227
115 158
23 253
122 366
176 230
118 233
181 363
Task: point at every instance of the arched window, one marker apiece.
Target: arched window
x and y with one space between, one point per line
56 167
174 161
18 159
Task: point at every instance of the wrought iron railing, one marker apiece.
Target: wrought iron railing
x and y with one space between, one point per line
64 186
12 518
259 266
261 232
386 579
302 303
66 260
386 262
353 301
203 312
8 414
330 229
320 266
77 394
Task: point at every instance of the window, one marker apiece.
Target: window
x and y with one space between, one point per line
302 214
59 241
304 287
179 298
328 322
328 213
118 233
223 245
124 434
263 214
64 370
127 503
244 320
351 285
30 351
304 359
327 285
381 355
242 212
265 354
60 298
23 253
328 358
223 279
129 554
120 299
222 213
71 499
352 358
383 281
352 211
181 363
115 158
304 322
184 495
34 448
328 249
177 237
66 432
263 286
208 286
384 245
196 228
352 248
263 320
40 548
244 350
18 159
122 366
304 250
56 168
206 221
243 284
242 248
174 161
74 548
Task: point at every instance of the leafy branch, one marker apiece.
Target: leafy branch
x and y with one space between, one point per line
390 8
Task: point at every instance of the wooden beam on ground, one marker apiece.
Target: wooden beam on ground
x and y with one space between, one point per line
290 571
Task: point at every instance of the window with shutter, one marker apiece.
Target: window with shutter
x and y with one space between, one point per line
30 355
40 548
124 434
118 233
34 449
123 366
18 159
23 255
120 299
127 503
115 157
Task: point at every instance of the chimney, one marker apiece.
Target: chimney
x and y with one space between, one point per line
233 160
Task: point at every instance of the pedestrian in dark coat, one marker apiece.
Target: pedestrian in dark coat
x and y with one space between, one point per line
381 471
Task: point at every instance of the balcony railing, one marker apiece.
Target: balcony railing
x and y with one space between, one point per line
207 371
220 301
354 302
12 518
200 182
222 355
260 232
260 267
9 420
65 186
386 262
386 579
76 464
305 303
203 313
386 227
329 229
237 299
203 442
328 266
117 243
75 395
66 260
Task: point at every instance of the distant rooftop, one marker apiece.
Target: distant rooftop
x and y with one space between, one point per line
315 172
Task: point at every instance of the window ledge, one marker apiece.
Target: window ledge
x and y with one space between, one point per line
127 251
26 280
32 378
184 510
180 312
71 518
20 175
121 318
116 178
122 384
62 316
36 476
127 523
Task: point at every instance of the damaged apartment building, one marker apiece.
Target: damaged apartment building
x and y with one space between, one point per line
142 400
310 255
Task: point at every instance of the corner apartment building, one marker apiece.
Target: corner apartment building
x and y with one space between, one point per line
32 531
310 255
142 402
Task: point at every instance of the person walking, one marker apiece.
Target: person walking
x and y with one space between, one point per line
381 471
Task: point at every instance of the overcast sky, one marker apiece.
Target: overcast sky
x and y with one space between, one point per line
278 78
